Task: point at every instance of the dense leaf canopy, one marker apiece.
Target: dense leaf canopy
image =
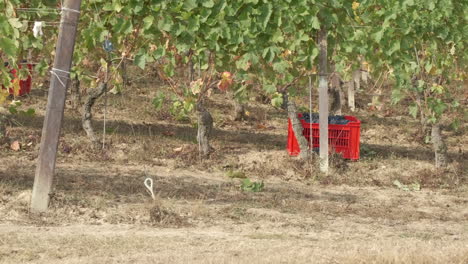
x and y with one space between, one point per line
269 43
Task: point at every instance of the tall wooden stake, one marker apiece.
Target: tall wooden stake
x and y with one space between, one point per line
353 86
351 104
60 78
323 100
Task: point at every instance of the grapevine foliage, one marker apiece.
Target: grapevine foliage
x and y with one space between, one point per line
266 45
423 44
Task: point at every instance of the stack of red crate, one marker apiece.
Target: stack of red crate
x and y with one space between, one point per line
25 85
344 139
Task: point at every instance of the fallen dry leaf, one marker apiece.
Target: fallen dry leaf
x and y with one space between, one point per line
15 145
178 149
168 133
66 148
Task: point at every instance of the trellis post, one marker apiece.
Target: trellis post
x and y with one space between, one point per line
60 77
323 99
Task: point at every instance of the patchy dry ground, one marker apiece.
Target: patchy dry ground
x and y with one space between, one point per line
100 211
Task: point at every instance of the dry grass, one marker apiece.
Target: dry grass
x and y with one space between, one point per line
109 244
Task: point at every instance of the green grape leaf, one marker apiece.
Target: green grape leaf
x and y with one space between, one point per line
8 46
315 23
265 14
140 60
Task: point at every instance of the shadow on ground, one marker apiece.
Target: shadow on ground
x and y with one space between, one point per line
413 153
184 133
262 140
98 188
113 184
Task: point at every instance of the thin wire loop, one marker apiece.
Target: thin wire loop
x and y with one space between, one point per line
59 77
45 22
47 10
37 10
70 10
149 185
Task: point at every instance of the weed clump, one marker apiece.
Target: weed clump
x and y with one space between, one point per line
164 217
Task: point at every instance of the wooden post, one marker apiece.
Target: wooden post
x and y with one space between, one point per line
60 78
323 99
364 71
365 76
357 80
350 85
354 86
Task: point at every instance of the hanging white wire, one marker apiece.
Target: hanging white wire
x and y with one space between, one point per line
38 10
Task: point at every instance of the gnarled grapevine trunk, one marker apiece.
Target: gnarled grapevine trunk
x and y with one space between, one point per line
335 85
3 127
205 127
425 128
93 95
75 93
440 148
239 111
191 71
285 100
123 68
297 128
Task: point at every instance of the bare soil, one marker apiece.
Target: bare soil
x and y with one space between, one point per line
100 211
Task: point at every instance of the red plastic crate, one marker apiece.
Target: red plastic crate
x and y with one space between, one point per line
25 85
344 139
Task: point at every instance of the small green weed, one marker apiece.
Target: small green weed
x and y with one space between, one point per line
250 186
411 187
13 109
235 174
368 152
